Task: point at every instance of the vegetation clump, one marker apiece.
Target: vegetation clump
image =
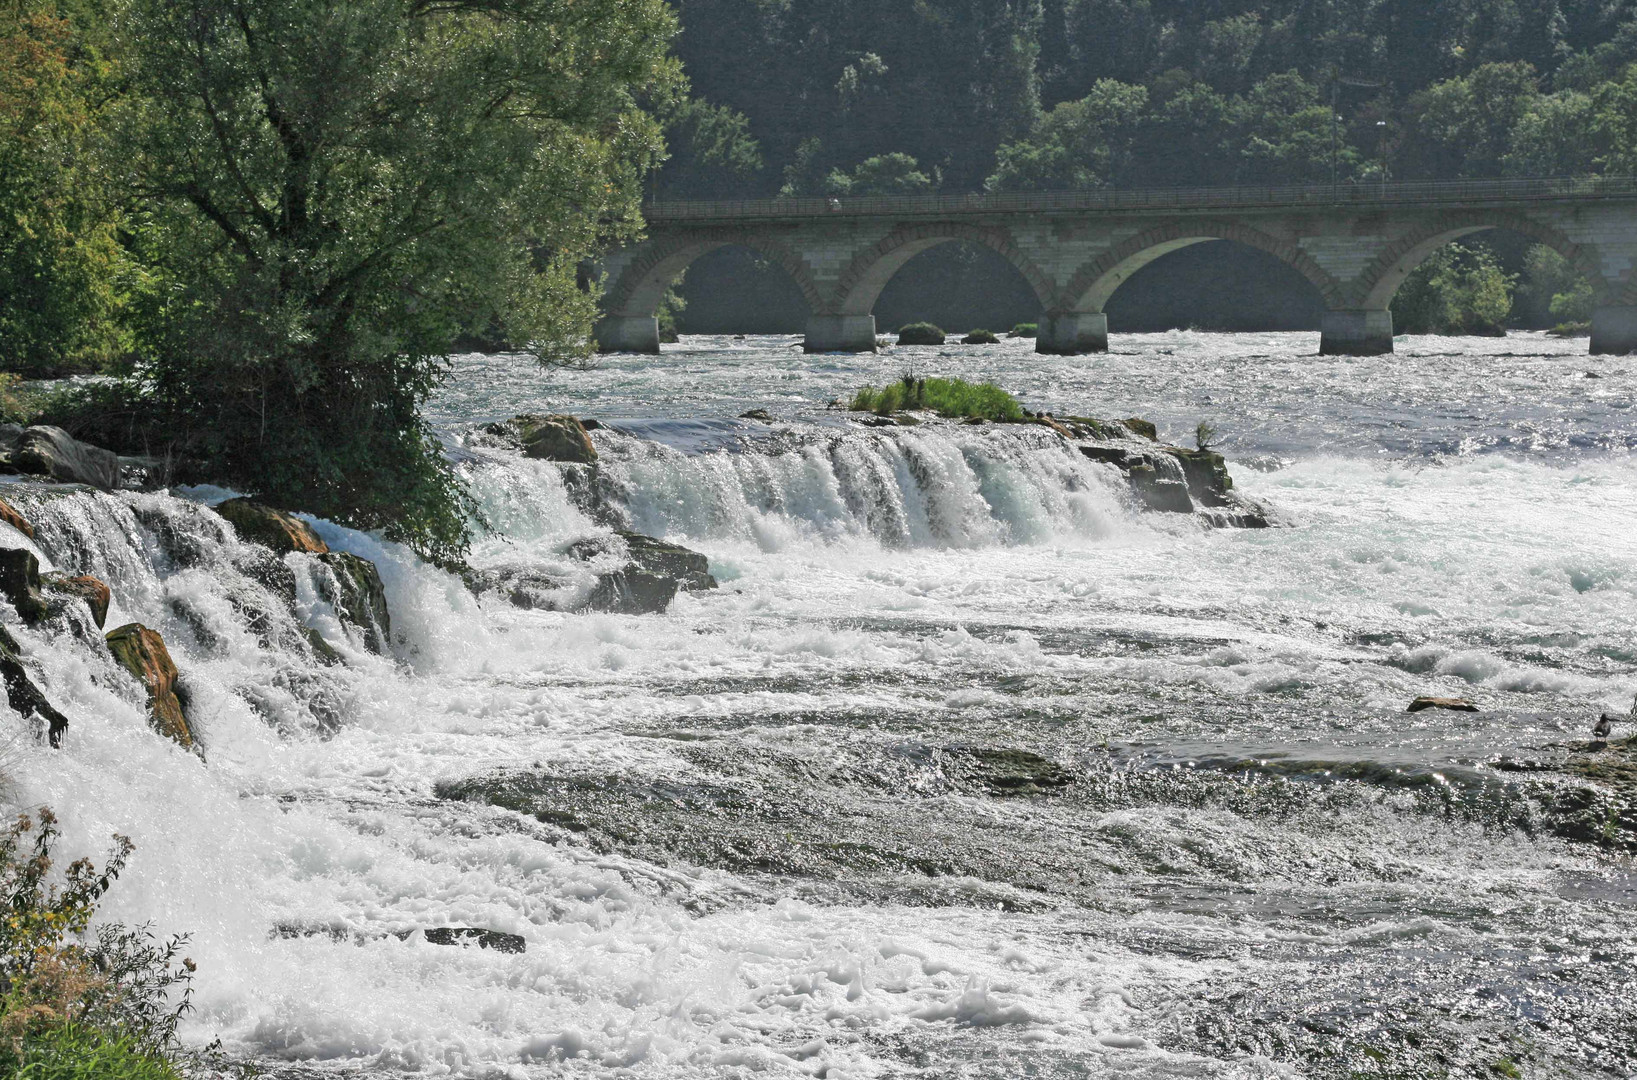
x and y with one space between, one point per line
921 333
1459 290
949 398
980 337
1025 330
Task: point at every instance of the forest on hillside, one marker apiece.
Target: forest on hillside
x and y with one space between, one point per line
881 96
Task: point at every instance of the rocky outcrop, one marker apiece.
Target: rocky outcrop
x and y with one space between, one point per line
10 516
22 695
50 451
1206 473
547 438
654 571
355 591
690 568
632 592
20 583
1166 479
142 652
470 935
270 527
97 596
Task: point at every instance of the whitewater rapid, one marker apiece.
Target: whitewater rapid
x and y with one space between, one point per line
762 837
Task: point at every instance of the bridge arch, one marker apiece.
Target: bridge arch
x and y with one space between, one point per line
637 289
861 283
1096 282
1380 282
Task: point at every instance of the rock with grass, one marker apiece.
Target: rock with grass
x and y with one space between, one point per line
142 652
271 527
1025 330
921 333
980 337
554 437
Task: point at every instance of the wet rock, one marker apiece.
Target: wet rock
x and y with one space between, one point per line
761 415
980 337
22 695
1207 475
470 935
633 592
276 529
20 583
96 595
1159 494
547 438
1421 704
921 334
50 451
142 652
10 516
359 598
690 568
1142 428
1006 771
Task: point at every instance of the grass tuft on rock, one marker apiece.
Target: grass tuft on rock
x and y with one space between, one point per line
980 337
1025 330
949 398
920 333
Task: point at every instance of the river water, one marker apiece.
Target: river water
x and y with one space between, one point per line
968 769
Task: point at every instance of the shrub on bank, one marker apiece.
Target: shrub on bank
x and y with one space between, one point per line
1025 330
921 333
980 337
949 398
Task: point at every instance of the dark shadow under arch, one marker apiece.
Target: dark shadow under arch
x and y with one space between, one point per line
636 290
862 283
1219 286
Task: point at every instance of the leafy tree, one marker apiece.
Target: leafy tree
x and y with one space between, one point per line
889 174
1463 126
1459 290
1287 133
711 149
60 263
1085 143
336 189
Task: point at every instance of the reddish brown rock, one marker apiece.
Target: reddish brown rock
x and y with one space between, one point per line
10 516
142 652
85 587
281 531
1421 704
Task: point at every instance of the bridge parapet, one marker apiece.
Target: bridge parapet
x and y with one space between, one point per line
1355 244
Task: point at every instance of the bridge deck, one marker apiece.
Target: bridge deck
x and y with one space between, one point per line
1473 193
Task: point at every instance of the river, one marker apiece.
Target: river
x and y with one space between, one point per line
968 769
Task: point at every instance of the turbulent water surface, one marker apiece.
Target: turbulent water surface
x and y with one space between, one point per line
968 769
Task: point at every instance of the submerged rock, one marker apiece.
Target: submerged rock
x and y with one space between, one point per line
358 597
471 935
20 583
690 568
142 652
1421 704
1159 494
270 527
22 695
50 451
10 516
96 595
759 415
633 592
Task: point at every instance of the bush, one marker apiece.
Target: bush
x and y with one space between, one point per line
1025 330
980 337
950 398
74 1005
920 333
1459 290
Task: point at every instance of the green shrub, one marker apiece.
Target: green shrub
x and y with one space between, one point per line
1571 329
1025 330
920 333
950 398
980 337
77 1052
1459 290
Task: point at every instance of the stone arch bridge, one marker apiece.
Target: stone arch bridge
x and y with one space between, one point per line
1356 244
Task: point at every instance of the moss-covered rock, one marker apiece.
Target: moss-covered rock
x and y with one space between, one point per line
96 594
271 527
980 337
547 438
355 591
921 333
142 652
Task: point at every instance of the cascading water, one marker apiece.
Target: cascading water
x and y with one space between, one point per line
969 768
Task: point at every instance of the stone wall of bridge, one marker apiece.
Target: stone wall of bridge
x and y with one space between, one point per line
1076 260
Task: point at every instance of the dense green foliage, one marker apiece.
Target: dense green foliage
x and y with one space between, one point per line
76 1005
1459 290
950 398
980 337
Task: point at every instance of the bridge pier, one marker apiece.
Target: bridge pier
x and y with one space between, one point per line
1356 333
1614 331
627 333
840 333
1074 333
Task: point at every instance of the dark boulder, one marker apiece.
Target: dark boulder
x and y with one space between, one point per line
1421 704
633 592
22 695
629 591
358 597
1160 494
547 438
759 415
142 652
20 583
690 568
276 529
10 516
921 334
980 337
1142 428
51 451
1207 475
96 595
